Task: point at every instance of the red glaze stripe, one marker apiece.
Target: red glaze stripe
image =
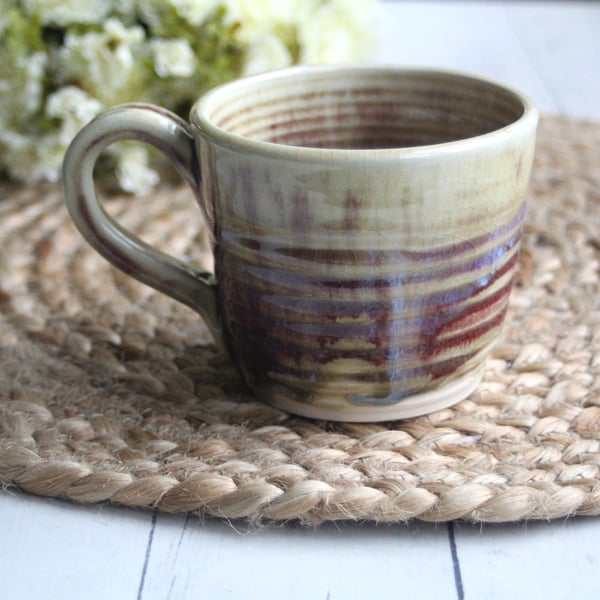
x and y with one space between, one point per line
285 345
398 300
381 331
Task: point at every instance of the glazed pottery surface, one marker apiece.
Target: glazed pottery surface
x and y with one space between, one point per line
366 226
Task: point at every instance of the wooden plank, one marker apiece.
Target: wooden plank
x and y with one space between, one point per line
474 37
537 561
213 560
58 550
563 42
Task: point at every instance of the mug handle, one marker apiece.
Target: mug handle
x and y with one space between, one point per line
173 137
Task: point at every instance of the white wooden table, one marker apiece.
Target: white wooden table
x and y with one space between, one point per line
52 549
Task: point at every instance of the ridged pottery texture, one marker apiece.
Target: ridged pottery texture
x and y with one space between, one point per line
366 232
365 261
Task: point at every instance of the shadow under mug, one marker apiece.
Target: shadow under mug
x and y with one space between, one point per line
366 225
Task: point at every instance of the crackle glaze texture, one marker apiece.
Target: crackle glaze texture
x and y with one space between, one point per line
365 253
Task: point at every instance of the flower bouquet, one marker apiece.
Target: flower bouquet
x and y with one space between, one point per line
64 61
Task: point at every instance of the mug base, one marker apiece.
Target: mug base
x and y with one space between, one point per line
411 406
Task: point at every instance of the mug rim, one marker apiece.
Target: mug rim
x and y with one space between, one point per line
199 116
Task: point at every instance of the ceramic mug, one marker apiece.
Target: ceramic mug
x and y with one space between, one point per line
366 225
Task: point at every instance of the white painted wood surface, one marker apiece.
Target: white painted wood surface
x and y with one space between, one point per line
549 50
536 560
52 549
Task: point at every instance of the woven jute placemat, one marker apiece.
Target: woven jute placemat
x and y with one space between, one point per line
112 392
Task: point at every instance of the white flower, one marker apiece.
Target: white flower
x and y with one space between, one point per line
173 58
335 31
324 31
21 91
65 12
74 108
257 16
265 54
104 62
34 67
32 158
27 98
266 28
39 157
195 11
122 39
133 172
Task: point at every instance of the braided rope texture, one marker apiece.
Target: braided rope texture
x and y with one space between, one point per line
111 392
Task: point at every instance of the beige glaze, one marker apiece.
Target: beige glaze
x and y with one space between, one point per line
366 227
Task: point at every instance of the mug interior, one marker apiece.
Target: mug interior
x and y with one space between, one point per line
361 108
